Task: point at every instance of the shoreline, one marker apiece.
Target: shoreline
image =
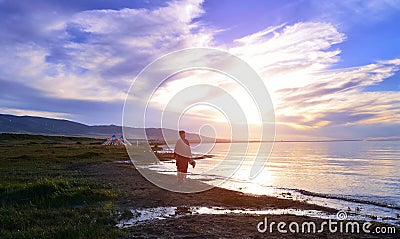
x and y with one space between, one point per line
139 194
351 206
370 210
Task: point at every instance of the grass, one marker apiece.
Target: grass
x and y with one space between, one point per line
46 193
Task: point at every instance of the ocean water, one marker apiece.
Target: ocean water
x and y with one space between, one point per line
361 177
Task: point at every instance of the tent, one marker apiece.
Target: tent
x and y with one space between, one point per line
113 140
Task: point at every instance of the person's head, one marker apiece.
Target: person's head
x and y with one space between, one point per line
182 134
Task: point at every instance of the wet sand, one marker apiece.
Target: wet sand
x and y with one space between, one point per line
138 193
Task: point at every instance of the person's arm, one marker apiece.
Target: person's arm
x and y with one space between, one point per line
191 160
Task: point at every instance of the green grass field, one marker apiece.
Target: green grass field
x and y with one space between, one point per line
45 192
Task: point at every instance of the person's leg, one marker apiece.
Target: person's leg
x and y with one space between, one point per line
184 172
181 174
178 176
184 177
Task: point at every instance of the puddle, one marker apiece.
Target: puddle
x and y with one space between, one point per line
146 214
159 213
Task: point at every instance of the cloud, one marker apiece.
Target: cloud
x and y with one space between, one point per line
94 54
343 92
295 63
17 98
89 55
55 115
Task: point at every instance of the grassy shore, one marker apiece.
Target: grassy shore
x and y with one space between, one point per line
57 187
45 194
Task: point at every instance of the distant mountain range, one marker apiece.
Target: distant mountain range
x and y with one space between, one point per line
58 127
49 126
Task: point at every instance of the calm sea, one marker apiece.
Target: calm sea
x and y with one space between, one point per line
362 177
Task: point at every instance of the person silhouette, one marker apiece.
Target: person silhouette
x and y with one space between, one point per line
182 155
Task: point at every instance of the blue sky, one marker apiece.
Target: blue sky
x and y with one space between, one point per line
332 68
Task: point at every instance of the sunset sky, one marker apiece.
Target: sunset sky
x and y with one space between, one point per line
332 68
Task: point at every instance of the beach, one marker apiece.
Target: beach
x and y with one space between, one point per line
143 194
58 187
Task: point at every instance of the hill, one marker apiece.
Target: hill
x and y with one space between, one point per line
59 127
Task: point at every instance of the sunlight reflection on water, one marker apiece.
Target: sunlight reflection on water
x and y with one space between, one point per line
356 174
